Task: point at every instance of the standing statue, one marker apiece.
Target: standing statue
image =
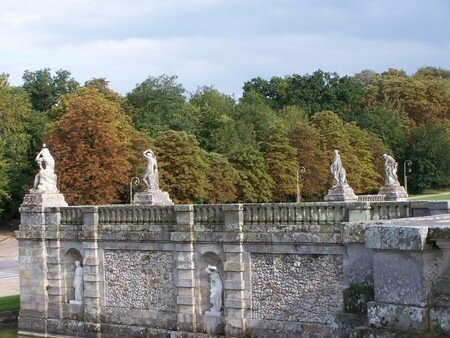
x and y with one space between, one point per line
78 282
390 168
216 288
338 171
151 174
45 180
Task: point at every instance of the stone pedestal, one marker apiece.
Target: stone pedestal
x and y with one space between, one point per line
341 193
44 199
393 192
152 197
213 322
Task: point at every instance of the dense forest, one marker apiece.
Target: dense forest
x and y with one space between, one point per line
214 148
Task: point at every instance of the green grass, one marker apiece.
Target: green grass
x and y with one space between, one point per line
431 196
9 303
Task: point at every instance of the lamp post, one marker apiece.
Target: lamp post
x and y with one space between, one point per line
134 180
300 170
406 168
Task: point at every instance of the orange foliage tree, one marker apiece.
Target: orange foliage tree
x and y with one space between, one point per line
90 148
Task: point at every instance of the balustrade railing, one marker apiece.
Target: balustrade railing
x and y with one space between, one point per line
208 213
119 214
71 215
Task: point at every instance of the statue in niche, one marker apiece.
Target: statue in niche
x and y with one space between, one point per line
45 180
151 174
338 171
390 168
78 281
216 288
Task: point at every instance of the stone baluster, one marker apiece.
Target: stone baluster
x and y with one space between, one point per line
184 258
234 271
91 270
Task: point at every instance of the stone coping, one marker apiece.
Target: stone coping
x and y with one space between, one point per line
407 234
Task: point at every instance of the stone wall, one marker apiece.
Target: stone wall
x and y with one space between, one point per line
286 268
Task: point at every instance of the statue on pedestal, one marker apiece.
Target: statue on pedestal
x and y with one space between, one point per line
78 282
391 189
151 174
390 169
153 195
45 180
216 289
44 191
340 191
338 171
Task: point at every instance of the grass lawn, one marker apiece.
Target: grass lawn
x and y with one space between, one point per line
9 303
431 196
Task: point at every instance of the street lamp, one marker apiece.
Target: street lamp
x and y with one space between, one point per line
134 180
300 170
406 168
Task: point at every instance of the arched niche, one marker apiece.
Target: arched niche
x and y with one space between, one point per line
70 257
203 279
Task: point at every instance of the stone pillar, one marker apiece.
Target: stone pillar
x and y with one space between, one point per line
33 270
405 268
54 264
358 211
184 258
91 271
234 271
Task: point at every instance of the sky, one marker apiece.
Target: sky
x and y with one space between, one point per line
223 43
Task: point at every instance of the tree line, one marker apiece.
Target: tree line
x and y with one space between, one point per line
214 148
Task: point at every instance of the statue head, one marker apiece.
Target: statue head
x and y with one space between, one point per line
336 152
77 264
211 268
385 155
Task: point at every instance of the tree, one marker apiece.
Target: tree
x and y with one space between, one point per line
430 155
255 184
91 153
158 104
46 90
213 111
222 179
281 162
181 166
15 146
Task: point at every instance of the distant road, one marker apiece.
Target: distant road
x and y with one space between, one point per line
8 275
9 265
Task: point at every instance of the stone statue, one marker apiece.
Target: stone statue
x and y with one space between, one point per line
151 174
216 288
338 171
390 168
78 282
45 180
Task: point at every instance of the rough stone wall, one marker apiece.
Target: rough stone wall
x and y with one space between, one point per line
305 288
139 279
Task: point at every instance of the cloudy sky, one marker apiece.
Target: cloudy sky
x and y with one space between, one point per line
220 42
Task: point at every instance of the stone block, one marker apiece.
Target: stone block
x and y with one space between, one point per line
234 303
440 320
185 300
383 315
405 277
392 237
231 266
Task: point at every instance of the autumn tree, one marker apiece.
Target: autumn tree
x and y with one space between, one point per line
255 184
181 166
222 179
281 162
91 153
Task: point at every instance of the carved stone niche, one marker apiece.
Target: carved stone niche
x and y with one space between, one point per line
72 255
212 323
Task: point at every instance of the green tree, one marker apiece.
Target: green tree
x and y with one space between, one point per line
90 150
158 104
222 179
46 90
16 146
214 109
281 162
182 167
430 154
255 184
